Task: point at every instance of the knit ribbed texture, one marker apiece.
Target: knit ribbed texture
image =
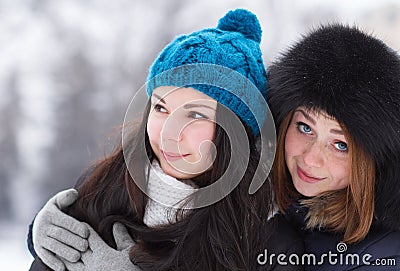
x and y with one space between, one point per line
166 196
234 45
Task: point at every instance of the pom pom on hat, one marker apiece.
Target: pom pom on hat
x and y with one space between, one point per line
242 21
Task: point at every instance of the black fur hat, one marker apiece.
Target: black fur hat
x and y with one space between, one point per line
355 78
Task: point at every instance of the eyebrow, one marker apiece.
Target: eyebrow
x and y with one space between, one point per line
159 98
338 132
189 106
186 106
309 118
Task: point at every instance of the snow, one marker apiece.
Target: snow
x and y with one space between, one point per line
14 255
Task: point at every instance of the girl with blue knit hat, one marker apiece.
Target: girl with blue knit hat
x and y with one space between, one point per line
174 195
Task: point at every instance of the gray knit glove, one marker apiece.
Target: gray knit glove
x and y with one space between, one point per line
55 233
101 257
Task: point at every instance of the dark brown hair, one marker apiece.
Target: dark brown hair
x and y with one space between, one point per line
227 235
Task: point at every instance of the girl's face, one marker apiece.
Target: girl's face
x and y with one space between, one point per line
181 127
316 153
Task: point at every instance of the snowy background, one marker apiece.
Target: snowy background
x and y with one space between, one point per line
68 69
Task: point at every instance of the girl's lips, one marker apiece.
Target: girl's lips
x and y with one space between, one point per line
306 177
170 156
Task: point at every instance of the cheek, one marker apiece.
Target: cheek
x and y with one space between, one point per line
154 127
201 136
340 171
293 144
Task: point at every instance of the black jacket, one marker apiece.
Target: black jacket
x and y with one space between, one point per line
380 250
285 241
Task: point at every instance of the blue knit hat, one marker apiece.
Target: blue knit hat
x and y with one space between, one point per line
225 63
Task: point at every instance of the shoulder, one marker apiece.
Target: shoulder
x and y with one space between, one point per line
284 239
381 243
283 242
380 250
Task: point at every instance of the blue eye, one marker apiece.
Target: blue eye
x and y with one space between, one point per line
303 128
340 146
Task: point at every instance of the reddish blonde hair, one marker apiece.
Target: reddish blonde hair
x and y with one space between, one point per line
348 211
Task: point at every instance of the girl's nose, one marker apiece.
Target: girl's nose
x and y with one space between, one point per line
173 129
313 155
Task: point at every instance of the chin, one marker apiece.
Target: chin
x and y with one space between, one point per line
304 191
175 173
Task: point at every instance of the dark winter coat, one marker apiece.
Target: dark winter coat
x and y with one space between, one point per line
382 244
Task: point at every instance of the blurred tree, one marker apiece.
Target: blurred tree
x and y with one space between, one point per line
9 115
76 122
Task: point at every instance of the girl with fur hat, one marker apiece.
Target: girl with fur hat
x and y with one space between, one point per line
204 88
335 98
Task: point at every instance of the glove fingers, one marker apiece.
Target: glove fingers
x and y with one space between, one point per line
95 241
121 236
53 214
66 237
65 198
51 260
62 250
86 256
69 223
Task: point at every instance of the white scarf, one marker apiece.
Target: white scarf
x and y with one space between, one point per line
166 196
